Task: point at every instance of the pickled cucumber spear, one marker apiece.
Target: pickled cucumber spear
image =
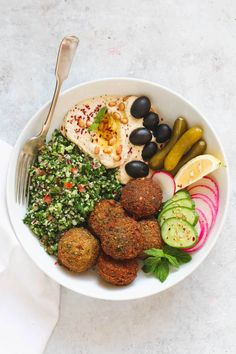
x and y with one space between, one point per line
157 161
197 149
181 147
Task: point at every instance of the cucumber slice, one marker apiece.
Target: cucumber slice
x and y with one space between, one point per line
183 213
178 196
179 233
187 203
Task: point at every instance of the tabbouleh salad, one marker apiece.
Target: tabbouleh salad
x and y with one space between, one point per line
65 185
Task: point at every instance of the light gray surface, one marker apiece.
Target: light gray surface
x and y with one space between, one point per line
188 46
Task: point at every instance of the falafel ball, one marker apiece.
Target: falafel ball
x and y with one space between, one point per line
141 198
152 235
78 250
122 239
117 272
104 211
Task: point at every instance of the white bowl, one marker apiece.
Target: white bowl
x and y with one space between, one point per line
170 106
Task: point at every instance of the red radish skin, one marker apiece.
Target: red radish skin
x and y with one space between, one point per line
209 201
203 232
202 204
205 190
199 228
203 219
212 183
166 183
209 182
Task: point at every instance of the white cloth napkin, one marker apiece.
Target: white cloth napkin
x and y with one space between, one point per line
29 300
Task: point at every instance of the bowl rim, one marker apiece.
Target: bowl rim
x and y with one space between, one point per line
223 216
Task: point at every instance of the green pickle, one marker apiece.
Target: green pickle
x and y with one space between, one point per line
157 161
185 142
197 149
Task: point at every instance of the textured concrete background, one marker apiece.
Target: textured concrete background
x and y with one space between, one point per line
187 45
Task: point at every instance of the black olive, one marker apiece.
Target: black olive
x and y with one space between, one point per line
163 133
140 107
140 136
137 169
149 150
151 120
154 131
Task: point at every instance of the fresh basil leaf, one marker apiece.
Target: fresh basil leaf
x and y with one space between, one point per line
97 120
181 256
155 252
148 268
172 260
171 250
150 264
185 258
162 270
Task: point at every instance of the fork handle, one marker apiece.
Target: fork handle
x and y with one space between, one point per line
65 57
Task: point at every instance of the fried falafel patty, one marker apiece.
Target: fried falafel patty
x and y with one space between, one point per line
151 232
116 272
122 239
78 250
104 211
141 198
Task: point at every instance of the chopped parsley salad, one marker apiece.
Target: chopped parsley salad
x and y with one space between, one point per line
65 185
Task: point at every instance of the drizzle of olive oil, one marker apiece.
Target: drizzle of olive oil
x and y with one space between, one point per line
109 128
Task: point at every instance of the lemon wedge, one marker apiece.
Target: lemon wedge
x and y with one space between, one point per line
195 169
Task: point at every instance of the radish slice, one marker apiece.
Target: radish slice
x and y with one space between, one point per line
207 191
202 203
203 220
203 232
209 181
166 183
199 228
209 201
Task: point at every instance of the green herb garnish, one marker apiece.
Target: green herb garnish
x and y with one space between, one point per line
99 117
160 261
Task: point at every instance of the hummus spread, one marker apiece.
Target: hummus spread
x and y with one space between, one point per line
109 142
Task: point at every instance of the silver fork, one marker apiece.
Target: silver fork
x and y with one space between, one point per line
30 148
